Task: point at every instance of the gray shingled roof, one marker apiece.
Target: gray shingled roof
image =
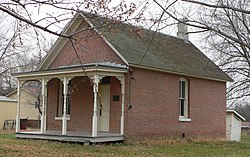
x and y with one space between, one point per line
6 99
162 52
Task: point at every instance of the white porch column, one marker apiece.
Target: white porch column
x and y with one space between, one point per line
123 104
65 93
19 84
122 81
94 120
44 103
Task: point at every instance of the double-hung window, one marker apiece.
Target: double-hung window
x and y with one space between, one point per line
183 100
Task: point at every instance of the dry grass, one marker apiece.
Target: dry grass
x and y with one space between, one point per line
10 146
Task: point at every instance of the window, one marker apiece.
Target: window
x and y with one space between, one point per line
106 80
61 100
183 99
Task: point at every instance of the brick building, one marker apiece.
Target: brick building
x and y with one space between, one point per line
115 81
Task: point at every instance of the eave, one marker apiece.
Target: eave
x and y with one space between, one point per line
60 42
71 71
236 113
177 73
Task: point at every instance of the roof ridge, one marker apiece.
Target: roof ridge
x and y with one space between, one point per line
164 52
100 17
133 45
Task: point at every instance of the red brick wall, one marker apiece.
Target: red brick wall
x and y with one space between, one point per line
52 87
81 108
155 107
115 106
90 47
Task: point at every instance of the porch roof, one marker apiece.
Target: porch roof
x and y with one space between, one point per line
232 111
74 70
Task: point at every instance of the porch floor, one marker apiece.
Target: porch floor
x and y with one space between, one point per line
76 137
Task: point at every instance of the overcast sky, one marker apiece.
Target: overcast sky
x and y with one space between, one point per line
40 12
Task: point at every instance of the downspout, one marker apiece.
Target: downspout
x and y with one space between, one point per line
130 73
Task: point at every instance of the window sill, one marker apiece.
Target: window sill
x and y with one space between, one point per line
182 119
61 117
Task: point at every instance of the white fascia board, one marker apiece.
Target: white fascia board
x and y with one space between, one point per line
106 41
236 113
69 73
176 73
44 64
59 44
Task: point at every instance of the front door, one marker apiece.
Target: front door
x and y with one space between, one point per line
103 107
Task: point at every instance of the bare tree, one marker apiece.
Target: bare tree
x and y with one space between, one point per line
13 64
17 44
224 21
50 22
231 51
244 109
33 18
225 25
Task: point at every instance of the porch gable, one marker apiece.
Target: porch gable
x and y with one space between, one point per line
88 47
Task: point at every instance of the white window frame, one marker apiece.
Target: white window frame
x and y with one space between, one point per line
184 117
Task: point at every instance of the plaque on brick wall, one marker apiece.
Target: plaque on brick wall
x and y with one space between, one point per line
116 98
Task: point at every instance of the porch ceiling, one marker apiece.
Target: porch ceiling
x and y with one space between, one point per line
106 69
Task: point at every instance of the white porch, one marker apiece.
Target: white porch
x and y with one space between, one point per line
95 72
74 137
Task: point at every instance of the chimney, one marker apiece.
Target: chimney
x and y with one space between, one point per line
182 29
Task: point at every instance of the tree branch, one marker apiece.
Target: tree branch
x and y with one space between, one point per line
30 22
218 6
203 26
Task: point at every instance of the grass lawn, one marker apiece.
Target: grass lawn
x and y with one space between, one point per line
9 146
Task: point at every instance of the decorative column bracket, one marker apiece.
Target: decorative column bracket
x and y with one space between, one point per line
65 93
96 79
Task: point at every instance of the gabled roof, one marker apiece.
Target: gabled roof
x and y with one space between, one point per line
156 50
146 48
232 111
60 42
6 99
30 90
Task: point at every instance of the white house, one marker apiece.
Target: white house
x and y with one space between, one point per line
233 125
